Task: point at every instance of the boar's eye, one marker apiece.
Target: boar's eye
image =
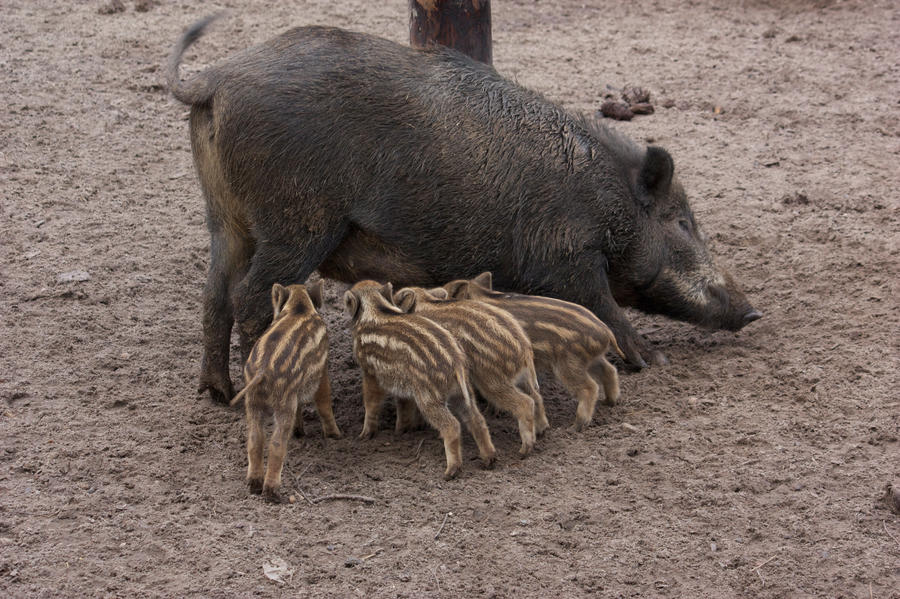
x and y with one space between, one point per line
685 225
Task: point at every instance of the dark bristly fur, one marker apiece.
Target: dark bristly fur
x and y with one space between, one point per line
567 340
286 368
499 355
324 148
413 358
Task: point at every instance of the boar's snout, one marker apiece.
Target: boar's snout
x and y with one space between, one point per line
752 315
736 312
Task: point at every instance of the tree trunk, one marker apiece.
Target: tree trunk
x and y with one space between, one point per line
463 25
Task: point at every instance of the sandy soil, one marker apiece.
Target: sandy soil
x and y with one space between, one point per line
751 466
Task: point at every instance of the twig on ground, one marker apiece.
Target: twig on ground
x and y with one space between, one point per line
418 453
758 573
889 532
304 496
362 498
436 581
438 533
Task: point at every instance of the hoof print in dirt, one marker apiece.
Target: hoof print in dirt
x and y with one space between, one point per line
144 5
111 7
616 110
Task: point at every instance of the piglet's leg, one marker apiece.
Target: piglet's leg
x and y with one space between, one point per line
278 443
440 417
605 374
408 417
373 400
323 407
255 440
474 421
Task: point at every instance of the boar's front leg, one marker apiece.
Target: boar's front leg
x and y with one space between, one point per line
286 260
638 351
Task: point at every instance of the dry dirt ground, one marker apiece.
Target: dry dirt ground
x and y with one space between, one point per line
753 465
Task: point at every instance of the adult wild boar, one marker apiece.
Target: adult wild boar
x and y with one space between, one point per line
324 148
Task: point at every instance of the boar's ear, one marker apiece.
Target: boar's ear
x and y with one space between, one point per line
315 293
280 295
457 289
485 279
387 290
655 177
439 293
406 300
351 304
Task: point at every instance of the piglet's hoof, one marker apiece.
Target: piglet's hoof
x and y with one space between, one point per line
451 472
272 495
255 485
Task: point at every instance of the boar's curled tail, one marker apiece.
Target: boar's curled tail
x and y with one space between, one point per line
198 89
256 380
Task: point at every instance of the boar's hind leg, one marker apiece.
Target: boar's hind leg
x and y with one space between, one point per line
229 260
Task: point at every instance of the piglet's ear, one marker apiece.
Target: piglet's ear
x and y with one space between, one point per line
315 293
485 279
387 290
438 293
655 177
280 295
406 300
458 289
351 305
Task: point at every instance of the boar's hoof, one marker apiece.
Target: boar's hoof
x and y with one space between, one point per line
255 485
366 435
489 461
579 425
221 393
